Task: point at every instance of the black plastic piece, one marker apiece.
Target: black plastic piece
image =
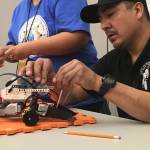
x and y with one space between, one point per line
60 113
30 118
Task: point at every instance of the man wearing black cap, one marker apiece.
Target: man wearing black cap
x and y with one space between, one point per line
123 75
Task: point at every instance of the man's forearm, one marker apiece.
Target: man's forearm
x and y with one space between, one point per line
133 101
60 44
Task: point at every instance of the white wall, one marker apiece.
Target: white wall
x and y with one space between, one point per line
6 8
98 36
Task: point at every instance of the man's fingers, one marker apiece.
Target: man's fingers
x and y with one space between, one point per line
8 52
67 65
22 71
29 68
68 77
1 53
2 56
1 61
66 73
47 71
38 70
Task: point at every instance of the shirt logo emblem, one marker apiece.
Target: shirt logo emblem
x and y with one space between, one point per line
144 71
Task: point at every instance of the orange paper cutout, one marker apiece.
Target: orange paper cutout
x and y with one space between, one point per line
10 126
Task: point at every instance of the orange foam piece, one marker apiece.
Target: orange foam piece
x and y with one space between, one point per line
10 126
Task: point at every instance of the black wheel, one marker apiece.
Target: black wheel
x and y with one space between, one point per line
30 118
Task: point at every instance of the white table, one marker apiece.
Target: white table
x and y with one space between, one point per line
135 136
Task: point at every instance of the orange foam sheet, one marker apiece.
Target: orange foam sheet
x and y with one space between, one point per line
10 126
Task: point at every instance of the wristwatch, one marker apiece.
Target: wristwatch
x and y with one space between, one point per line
108 82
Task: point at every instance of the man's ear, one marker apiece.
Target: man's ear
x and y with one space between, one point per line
139 10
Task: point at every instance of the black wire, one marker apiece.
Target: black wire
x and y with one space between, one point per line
27 35
107 46
17 77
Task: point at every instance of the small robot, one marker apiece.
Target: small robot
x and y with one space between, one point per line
24 97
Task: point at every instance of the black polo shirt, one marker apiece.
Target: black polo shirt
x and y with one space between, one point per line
118 63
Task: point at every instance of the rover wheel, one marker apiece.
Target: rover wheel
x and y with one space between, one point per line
30 118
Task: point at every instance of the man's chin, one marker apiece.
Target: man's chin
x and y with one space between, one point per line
117 44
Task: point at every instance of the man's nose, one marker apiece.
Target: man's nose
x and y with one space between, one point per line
105 24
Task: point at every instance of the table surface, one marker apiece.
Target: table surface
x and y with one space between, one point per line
135 136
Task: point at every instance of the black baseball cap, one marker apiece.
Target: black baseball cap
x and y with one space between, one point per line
89 13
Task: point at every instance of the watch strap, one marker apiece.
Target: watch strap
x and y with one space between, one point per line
108 82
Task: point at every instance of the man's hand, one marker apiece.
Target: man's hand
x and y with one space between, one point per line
40 70
76 73
3 57
17 52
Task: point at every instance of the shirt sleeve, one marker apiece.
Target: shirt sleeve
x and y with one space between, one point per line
67 16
